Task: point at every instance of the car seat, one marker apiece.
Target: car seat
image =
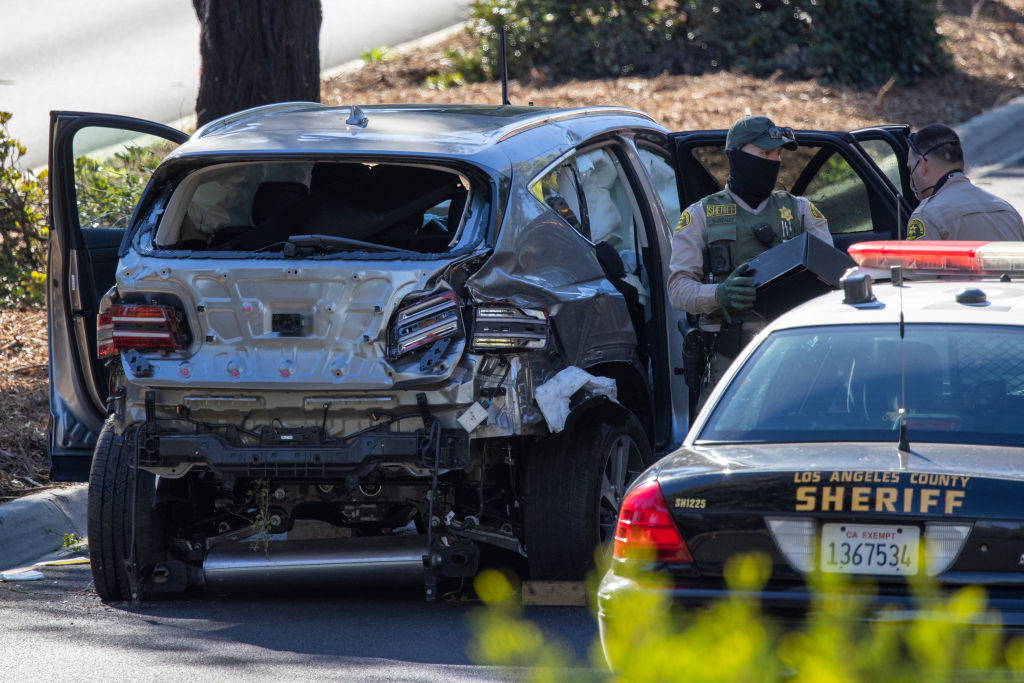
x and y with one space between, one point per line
273 198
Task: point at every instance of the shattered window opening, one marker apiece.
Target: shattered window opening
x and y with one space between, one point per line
614 214
559 190
259 206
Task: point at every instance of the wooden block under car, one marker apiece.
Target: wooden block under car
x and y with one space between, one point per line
555 593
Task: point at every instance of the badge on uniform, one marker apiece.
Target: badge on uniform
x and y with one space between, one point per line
814 212
684 220
787 227
915 229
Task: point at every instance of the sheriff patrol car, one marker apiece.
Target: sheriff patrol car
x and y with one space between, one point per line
874 431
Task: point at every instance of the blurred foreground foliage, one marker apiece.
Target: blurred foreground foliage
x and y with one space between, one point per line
950 637
857 42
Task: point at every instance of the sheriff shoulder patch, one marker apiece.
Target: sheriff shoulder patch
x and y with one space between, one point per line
684 220
815 213
718 210
915 229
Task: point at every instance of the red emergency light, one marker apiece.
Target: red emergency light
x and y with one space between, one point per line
941 256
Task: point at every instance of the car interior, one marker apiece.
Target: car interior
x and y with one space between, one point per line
819 173
370 207
819 384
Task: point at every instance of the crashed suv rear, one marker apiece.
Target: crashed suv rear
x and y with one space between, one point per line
325 366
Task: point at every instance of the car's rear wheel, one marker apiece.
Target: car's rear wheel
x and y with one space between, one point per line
112 495
574 486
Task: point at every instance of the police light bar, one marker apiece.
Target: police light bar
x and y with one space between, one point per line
993 258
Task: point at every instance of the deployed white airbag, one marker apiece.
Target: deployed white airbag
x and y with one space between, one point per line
553 396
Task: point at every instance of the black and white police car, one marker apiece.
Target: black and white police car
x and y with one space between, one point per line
876 431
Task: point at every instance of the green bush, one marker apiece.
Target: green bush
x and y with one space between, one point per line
734 640
756 37
23 226
462 68
582 39
870 41
381 53
857 42
860 42
108 189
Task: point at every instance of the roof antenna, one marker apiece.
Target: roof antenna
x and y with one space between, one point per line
904 444
897 280
901 233
504 67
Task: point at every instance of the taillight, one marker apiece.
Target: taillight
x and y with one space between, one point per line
423 322
646 531
508 328
140 327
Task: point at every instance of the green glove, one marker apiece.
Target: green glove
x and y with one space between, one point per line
736 291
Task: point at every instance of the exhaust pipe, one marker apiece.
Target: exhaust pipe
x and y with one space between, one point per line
343 561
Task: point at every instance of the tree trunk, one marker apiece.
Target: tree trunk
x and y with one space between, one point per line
255 52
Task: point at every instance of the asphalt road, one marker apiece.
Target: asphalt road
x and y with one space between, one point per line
141 57
57 629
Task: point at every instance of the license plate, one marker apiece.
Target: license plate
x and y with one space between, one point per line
870 549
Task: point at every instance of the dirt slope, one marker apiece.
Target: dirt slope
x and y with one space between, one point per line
23 402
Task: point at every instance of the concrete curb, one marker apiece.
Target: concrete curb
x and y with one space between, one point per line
34 525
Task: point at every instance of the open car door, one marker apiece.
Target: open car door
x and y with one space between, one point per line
851 187
99 167
887 148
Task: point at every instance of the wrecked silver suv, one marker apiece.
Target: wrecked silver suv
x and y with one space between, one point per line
343 343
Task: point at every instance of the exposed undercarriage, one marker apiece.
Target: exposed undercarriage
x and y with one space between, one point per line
243 506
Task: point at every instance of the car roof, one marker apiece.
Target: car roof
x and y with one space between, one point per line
454 130
927 300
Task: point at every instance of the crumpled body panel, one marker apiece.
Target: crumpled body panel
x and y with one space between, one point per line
244 319
540 262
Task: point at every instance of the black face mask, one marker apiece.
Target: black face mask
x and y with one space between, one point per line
751 178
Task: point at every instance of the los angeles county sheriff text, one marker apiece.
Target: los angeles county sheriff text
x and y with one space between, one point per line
910 492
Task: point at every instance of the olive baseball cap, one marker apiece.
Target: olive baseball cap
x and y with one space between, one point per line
760 131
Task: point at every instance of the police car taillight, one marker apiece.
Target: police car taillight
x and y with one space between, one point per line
991 258
646 531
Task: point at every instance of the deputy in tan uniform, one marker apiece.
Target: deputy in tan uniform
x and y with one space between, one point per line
720 233
952 207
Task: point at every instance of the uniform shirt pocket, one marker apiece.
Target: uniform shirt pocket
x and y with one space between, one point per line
722 231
